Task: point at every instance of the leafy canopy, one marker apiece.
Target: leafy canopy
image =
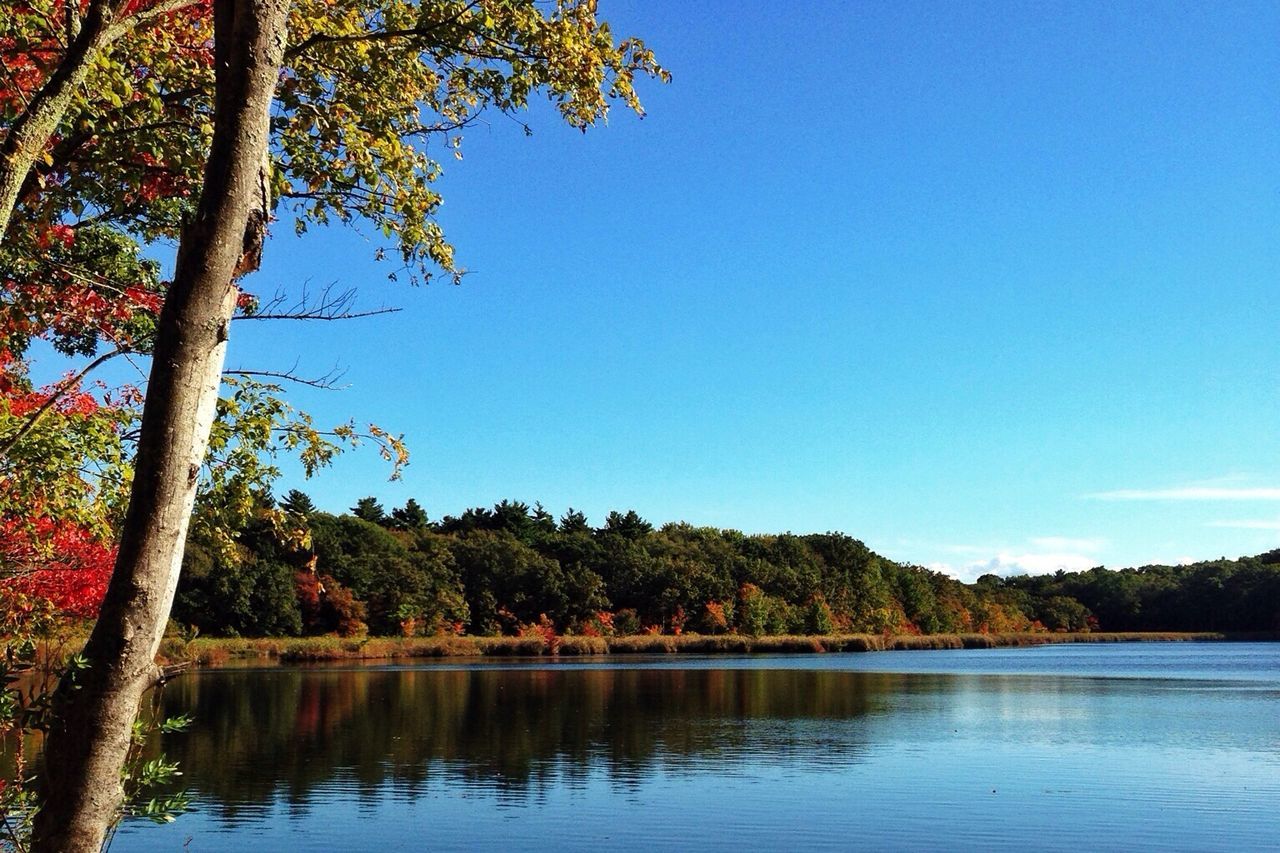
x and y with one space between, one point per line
374 95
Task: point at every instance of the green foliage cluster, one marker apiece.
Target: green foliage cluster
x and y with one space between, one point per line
515 569
1217 595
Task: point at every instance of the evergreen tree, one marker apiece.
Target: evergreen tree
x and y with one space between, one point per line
369 509
411 516
297 503
574 521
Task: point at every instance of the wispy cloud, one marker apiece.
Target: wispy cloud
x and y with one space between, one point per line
1067 543
1248 524
1190 493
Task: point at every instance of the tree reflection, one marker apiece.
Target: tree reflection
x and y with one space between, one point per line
286 733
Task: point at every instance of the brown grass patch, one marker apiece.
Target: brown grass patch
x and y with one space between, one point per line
237 651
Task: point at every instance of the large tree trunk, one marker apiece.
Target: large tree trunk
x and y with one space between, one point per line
87 747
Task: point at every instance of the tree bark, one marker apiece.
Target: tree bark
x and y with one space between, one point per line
87 747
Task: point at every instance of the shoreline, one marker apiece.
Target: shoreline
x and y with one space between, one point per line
216 652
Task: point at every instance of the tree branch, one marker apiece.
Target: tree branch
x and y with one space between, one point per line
63 387
327 382
156 10
331 305
420 31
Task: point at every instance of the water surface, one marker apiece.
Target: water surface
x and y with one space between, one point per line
1136 746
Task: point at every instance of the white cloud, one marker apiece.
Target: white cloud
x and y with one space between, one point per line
1190 493
1035 563
1010 562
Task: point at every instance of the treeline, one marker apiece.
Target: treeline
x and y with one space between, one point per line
516 569
1218 595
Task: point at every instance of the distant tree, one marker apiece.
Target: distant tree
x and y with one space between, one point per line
817 617
755 610
247 593
917 599
515 517
856 583
411 516
1062 613
509 583
297 503
574 521
475 518
630 525
544 523
440 605
369 509
367 559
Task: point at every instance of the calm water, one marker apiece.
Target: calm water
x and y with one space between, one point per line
1148 746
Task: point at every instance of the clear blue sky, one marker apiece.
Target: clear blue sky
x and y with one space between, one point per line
988 286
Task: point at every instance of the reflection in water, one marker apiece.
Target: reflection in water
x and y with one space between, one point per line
739 755
518 730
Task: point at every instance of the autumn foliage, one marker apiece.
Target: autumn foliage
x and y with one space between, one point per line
57 561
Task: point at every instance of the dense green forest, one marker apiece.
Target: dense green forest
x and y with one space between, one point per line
516 569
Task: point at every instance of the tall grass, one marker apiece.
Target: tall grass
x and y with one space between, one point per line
223 652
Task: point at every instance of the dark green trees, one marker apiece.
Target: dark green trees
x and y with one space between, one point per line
297 503
249 592
407 583
411 516
512 567
368 509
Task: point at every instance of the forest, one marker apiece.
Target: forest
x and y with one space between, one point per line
515 569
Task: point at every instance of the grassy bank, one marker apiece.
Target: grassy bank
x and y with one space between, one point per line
219 652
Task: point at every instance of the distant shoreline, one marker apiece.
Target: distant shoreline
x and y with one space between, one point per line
215 652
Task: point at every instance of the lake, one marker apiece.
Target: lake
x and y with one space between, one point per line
1135 746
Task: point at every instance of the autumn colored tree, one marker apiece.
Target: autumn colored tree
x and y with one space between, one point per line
59 562
128 120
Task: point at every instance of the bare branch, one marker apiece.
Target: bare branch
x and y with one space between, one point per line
327 381
329 304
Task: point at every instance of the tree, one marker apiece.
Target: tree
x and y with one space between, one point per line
248 591
370 510
61 563
411 516
252 596
508 583
87 748
630 525
351 101
297 503
574 521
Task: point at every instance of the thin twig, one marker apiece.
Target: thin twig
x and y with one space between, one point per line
328 382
